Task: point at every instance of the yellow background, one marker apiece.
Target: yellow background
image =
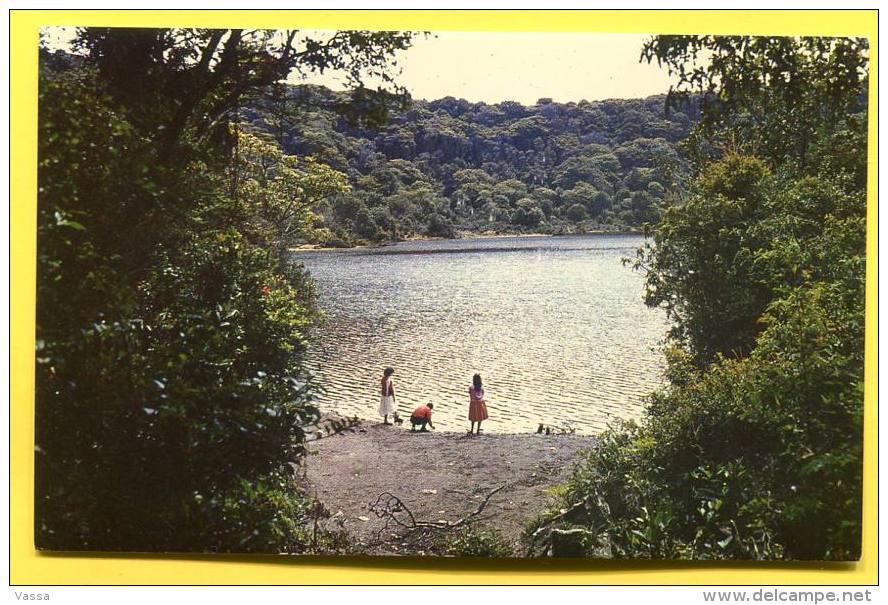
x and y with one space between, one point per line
29 567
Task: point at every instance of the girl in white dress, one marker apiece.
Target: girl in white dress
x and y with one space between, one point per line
387 403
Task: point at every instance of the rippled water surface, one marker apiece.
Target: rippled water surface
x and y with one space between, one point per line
555 325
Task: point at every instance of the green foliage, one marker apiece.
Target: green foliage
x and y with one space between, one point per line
171 327
576 213
471 541
528 213
775 96
472 163
701 259
438 226
266 514
581 169
365 226
280 189
754 450
753 459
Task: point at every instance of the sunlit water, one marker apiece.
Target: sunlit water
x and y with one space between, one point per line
555 325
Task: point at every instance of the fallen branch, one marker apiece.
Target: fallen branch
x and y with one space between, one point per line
391 508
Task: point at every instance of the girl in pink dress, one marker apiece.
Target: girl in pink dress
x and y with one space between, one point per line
477 405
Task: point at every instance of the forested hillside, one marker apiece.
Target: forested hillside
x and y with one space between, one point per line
439 167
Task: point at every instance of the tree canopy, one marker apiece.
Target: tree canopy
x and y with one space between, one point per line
478 160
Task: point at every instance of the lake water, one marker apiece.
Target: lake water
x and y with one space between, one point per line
556 326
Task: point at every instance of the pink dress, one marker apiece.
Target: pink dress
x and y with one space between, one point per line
477 407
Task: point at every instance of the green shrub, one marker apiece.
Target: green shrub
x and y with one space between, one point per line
759 458
171 326
204 390
754 449
471 541
169 345
759 455
439 226
265 514
577 213
365 226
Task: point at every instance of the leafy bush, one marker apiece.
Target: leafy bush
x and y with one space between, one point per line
576 213
365 226
470 541
701 258
759 455
439 226
264 514
201 391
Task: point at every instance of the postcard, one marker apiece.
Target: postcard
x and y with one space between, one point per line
450 294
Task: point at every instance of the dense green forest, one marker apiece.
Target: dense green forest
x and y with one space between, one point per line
437 168
754 450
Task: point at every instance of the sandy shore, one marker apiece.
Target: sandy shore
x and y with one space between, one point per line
438 475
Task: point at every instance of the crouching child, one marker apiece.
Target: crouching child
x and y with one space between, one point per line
421 417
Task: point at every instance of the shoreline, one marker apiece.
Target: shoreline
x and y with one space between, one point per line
463 235
333 423
440 476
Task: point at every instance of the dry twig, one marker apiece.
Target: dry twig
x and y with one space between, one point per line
391 508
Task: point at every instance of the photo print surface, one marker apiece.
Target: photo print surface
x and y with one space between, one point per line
450 293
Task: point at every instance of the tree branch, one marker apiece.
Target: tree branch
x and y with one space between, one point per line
391 508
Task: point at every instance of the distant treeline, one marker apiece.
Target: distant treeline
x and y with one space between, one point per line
436 167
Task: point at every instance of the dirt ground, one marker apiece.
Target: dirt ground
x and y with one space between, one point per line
438 475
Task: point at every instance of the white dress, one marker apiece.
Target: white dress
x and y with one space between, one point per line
387 402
